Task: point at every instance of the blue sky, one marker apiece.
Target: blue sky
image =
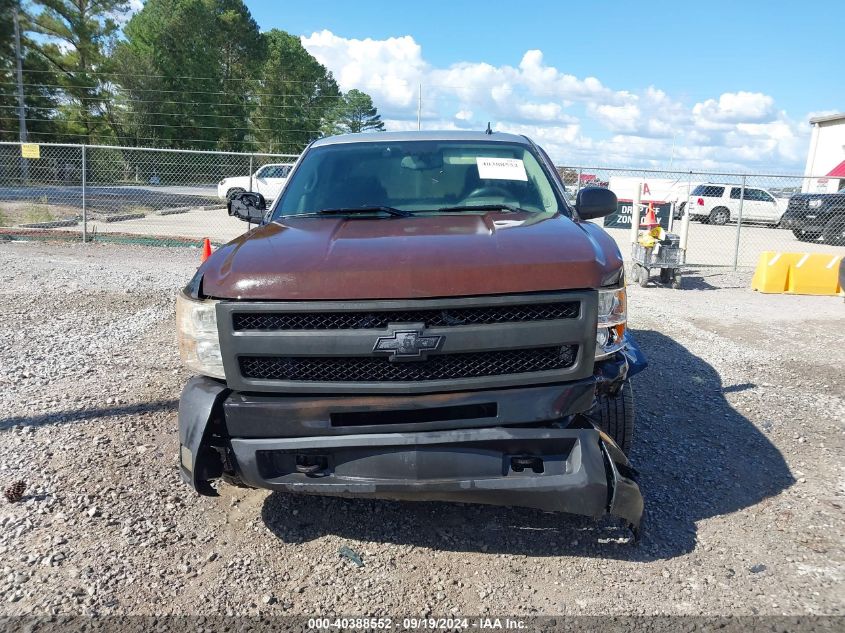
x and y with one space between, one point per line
729 84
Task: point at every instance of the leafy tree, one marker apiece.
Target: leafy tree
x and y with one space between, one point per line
186 68
355 112
294 96
40 95
78 35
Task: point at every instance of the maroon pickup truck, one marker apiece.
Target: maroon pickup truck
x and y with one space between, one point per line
417 316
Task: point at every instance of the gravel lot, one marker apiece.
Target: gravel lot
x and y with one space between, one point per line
739 441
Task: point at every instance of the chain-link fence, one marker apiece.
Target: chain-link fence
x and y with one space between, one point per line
172 197
107 193
725 219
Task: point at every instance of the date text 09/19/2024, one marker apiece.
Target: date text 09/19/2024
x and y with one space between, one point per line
453 623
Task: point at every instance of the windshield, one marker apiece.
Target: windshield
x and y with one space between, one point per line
418 177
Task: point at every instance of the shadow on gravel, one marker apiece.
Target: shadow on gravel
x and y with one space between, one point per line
695 281
697 456
75 415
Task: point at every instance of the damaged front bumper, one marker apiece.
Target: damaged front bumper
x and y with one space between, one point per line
290 444
567 470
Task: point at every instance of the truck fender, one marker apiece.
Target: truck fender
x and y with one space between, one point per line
199 462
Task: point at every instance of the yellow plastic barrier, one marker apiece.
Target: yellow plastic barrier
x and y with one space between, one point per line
797 273
772 273
815 274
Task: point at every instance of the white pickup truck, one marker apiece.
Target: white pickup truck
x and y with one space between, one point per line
268 181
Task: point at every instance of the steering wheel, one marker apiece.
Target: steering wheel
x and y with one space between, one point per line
489 192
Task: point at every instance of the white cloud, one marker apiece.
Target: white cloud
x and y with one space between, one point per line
389 70
577 119
617 118
734 107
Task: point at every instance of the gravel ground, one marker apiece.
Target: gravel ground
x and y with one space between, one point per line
739 441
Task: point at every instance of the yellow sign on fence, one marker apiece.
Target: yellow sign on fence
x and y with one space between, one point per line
30 150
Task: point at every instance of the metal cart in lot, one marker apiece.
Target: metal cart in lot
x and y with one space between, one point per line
667 255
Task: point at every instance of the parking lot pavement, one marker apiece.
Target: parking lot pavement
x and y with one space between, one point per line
213 223
63 201
739 442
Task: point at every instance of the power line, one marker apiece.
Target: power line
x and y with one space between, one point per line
161 90
192 127
131 137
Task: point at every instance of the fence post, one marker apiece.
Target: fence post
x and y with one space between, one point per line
578 184
84 205
635 213
739 222
250 172
685 219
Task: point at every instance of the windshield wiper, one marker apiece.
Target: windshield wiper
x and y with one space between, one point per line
341 210
485 207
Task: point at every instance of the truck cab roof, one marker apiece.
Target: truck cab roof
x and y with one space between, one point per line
427 135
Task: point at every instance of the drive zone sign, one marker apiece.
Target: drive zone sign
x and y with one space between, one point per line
621 218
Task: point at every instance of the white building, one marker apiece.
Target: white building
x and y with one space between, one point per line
826 158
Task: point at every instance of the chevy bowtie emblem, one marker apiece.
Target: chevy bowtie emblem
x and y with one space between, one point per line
405 345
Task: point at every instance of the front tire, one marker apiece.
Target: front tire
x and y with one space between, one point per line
834 231
231 192
719 216
615 416
804 236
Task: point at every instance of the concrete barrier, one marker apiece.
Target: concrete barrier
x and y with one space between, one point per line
798 273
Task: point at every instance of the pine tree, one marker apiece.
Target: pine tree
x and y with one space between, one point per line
354 113
79 34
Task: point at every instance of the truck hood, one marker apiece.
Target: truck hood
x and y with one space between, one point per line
402 258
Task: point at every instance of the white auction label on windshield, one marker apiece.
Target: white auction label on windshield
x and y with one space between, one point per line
501 169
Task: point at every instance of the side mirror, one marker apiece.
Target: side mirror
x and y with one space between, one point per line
247 206
595 202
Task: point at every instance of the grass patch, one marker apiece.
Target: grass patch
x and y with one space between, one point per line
39 211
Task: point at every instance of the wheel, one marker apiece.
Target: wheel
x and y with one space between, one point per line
805 236
719 216
665 275
232 192
834 231
643 278
635 272
615 416
676 280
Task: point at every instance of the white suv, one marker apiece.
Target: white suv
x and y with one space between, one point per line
719 204
268 181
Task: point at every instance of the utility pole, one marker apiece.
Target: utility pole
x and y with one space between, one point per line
21 104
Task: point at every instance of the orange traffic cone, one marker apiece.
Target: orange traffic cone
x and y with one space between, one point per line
206 249
650 219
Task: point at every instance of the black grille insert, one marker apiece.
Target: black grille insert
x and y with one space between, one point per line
439 367
372 319
415 416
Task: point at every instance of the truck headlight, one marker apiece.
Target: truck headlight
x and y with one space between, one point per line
613 314
196 330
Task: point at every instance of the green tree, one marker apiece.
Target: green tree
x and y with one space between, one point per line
79 34
355 112
294 96
186 69
40 94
